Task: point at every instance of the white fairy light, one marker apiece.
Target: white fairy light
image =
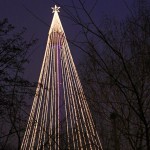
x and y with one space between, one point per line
59 106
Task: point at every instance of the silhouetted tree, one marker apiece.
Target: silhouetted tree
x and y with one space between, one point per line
116 74
14 89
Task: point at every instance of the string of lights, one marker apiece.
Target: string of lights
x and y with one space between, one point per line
60 117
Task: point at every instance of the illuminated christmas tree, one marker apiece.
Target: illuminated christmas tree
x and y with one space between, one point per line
60 117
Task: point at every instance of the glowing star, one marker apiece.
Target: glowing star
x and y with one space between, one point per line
55 9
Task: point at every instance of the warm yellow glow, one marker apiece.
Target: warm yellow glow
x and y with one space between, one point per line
59 104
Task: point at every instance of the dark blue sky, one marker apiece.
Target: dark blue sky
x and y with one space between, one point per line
16 13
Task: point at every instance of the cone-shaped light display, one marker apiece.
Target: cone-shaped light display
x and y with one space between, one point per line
60 118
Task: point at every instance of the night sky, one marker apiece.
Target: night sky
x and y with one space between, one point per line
18 15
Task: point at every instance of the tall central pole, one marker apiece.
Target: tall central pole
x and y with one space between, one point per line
59 89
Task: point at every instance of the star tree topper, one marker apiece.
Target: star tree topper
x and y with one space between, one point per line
55 9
